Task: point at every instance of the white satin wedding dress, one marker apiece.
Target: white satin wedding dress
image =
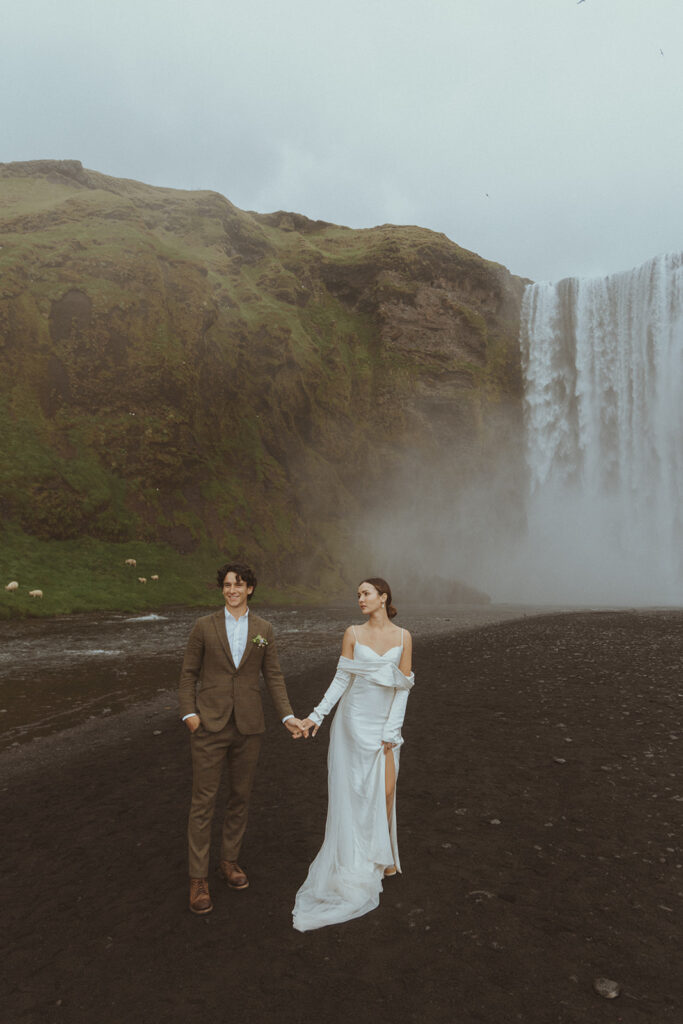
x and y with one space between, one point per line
345 879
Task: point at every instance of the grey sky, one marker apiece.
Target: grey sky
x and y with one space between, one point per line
544 134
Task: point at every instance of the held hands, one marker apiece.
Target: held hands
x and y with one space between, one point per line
296 728
300 728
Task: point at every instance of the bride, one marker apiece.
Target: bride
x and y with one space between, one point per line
373 680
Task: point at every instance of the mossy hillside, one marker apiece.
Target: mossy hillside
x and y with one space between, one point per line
178 371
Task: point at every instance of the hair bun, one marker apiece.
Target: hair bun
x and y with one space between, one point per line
391 611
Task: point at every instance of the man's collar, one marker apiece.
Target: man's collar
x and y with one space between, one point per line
228 614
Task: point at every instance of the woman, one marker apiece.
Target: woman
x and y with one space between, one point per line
373 680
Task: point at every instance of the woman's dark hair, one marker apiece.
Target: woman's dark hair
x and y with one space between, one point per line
382 587
243 573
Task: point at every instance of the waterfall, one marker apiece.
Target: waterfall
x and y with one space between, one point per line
603 365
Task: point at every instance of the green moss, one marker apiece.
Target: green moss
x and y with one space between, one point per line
89 575
216 388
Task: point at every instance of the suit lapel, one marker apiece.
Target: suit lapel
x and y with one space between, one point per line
219 623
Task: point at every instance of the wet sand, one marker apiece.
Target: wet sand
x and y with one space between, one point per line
540 806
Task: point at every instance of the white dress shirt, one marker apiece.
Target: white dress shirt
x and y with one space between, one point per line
237 630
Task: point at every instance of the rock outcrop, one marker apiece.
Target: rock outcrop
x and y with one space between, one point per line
177 369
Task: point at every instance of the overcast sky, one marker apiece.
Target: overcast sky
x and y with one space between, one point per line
544 134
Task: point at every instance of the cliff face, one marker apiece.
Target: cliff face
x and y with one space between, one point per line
176 369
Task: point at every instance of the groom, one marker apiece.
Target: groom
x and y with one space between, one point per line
220 703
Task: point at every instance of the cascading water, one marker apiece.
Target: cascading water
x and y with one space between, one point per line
603 362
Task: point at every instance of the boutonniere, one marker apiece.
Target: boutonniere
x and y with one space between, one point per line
260 641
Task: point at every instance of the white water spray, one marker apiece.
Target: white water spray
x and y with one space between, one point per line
603 362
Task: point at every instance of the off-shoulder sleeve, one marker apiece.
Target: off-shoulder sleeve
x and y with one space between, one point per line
392 727
332 694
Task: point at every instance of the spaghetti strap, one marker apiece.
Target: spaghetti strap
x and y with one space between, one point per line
401 636
354 632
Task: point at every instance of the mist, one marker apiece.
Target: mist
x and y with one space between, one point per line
580 500
451 519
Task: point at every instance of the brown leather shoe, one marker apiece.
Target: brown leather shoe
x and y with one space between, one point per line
233 874
200 900
390 872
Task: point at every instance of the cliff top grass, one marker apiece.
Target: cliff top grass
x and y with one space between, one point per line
93 209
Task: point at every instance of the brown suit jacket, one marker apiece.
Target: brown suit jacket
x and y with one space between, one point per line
213 687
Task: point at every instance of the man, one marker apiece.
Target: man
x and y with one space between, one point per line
224 713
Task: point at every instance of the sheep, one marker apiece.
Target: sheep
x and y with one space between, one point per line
130 561
12 586
155 577
35 593
142 579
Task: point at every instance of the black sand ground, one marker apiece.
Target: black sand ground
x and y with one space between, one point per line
540 809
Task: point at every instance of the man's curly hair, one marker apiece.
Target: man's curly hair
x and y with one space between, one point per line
243 573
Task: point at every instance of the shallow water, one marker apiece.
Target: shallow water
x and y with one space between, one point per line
57 673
